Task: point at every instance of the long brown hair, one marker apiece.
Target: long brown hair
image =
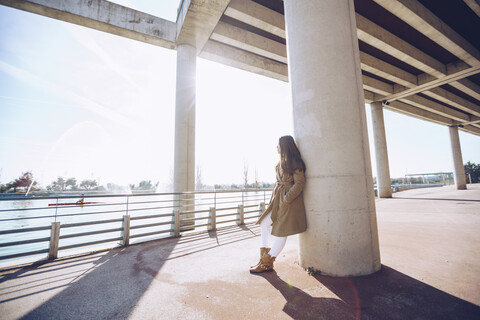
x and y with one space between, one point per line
290 158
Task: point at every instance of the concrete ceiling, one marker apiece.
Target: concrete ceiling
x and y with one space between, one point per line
421 57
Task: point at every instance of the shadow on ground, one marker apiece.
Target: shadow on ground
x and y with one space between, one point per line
387 294
108 287
103 286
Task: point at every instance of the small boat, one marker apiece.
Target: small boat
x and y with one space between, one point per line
78 203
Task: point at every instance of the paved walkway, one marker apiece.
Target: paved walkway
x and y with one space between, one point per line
430 251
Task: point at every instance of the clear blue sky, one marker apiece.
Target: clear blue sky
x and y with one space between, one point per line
76 102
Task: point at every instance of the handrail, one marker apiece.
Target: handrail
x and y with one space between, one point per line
139 216
117 195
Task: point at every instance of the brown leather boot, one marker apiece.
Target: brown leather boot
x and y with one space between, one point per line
262 252
266 264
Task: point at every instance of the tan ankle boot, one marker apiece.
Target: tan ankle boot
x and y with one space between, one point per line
266 264
262 252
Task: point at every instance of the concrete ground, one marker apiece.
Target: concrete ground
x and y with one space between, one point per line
430 251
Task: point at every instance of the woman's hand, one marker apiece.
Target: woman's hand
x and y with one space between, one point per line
297 188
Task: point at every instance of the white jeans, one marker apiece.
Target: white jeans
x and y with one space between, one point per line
278 242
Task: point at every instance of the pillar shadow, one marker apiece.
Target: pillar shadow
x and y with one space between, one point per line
108 287
301 305
387 294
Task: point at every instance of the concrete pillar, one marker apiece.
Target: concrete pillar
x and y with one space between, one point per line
184 161
384 184
184 166
331 132
458 169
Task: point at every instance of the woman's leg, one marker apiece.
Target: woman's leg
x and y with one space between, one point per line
278 245
266 230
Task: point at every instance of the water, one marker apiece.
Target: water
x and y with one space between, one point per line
20 214
28 213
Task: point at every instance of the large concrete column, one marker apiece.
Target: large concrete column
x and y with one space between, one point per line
330 129
384 184
458 169
184 162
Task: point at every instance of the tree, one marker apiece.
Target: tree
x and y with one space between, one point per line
5 187
145 185
88 184
24 181
58 185
198 180
245 175
472 170
72 183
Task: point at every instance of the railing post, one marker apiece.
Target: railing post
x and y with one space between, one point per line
212 219
54 238
261 208
126 230
176 222
240 214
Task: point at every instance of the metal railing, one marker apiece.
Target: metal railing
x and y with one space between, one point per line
37 226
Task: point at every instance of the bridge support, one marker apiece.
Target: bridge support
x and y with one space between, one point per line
458 169
384 184
184 162
331 132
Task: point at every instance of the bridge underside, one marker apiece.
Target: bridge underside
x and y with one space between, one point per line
420 57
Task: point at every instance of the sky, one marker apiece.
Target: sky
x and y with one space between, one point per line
76 102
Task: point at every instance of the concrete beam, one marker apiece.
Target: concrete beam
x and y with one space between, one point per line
377 86
370 96
447 97
374 35
387 71
218 52
471 129
249 41
467 87
473 120
384 40
418 113
258 16
457 70
104 16
424 21
435 107
474 5
434 83
383 90
197 20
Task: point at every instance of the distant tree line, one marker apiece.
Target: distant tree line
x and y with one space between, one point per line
26 181
258 185
472 171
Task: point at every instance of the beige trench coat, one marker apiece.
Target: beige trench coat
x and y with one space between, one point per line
286 204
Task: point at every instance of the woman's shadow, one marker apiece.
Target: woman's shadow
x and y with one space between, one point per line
386 294
301 305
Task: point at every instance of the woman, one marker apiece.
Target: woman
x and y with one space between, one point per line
285 214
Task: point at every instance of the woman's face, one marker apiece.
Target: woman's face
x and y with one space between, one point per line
278 149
